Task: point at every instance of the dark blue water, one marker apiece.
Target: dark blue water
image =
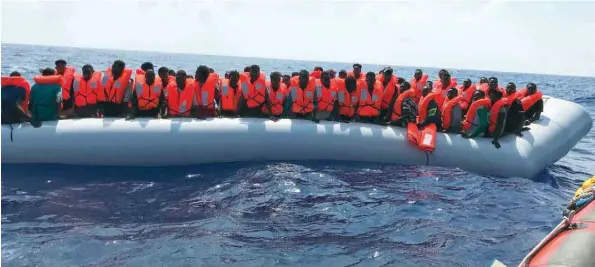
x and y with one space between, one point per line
278 214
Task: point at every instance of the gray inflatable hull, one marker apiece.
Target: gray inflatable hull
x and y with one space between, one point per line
152 142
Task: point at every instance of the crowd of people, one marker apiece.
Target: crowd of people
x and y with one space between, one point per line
418 104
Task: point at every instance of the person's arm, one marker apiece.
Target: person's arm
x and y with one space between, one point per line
132 111
538 106
500 124
315 107
391 107
162 105
267 102
336 113
287 106
433 115
482 114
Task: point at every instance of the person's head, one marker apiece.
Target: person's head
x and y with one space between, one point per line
162 72
467 83
87 72
48 72
146 66
418 74
452 93
181 77
254 71
350 83
118 67
479 94
15 74
287 80
295 74
60 66
493 83
171 73
247 69
483 80
342 74
202 73
211 70
304 76
332 73
405 86
150 76
426 90
400 80
318 68
370 78
388 73
226 75
495 95
275 78
445 78
531 88
234 76
441 73
510 88
325 77
357 69
190 76
429 84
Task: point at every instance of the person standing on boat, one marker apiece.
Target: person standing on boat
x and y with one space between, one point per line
253 85
230 94
15 99
147 99
85 88
116 90
179 95
46 96
206 94
324 103
275 97
67 73
302 93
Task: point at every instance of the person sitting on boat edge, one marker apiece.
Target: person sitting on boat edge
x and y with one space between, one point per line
67 73
171 73
346 98
302 94
275 98
429 108
147 98
342 74
206 93
357 72
46 96
417 83
253 85
369 99
179 96
532 102
477 118
85 89
516 115
403 107
116 90
231 94
452 113
15 99
498 114
325 107
162 72
390 88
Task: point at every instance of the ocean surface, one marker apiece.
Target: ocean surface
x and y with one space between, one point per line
282 213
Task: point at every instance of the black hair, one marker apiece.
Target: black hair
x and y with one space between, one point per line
235 72
483 80
370 74
247 69
254 68
400 80
304 72
511 84
357 65
48 72
120 63
60 61
202 69
295 73
467 80
87 66
171 72
15 74
318 68
211 70
146 66
343 72
181 72
405 85
163 70
388 70
275 74
418 71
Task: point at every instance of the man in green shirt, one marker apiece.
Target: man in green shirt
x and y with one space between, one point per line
45 99
482 119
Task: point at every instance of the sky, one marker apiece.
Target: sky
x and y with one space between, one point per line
556 37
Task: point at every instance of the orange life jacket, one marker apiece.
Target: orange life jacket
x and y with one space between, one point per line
362 75
467 95
19 82
113 91
447 110
85 92
253 93
180 102
528 101
416 86
345 98
470 117
512 97
486 88
439 87
303 100
398 108
229 96
276 99
205 94
67 82
423 105
494 110
369 105
325 96
388 91
139 76
51 79
148 96
316 74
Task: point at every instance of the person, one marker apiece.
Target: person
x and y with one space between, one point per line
253 86
139 76
429 108
493 85
162 72
452 113
443 85
477 118
357 72
483 85
466 91
302 94
46 96
287 80
324 103
247 69
389 85
346 97
179 95
332 73
317 72
511 92
295 74
417 83
403 107
15 99
85 89
275 97
206 93
147 99
172 73
231 94
516 115
532 102
116 90
498 113
146 66
342 74
370 99
67 73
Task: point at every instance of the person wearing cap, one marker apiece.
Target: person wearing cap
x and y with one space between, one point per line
46 96
67 73
357 72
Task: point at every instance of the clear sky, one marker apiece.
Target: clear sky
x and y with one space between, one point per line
536 37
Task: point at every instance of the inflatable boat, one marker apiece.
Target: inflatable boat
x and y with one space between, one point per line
184 141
